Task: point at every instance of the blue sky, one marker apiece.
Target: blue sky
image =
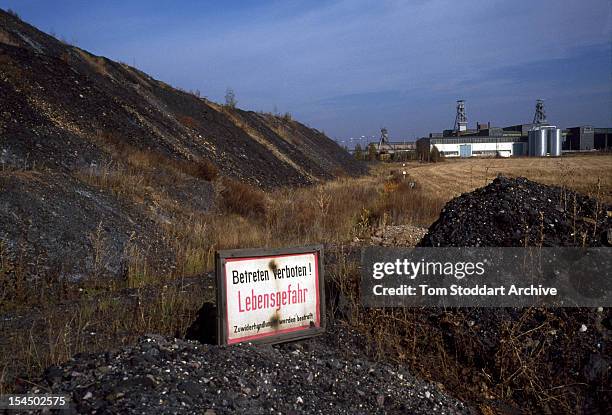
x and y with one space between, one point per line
350 67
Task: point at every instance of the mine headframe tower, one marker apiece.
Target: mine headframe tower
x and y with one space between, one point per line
384 140
540 114
460 118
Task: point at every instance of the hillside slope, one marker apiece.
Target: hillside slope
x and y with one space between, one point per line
113 154
60 102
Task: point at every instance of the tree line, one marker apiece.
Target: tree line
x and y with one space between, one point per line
370 153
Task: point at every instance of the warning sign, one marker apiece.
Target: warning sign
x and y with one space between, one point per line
269 295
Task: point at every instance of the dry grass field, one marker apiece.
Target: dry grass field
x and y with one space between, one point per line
589 174
99 314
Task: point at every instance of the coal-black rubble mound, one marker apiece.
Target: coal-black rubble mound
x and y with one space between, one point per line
323 375
518 212
564 349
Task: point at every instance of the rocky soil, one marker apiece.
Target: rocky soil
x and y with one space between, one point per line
519 212
69 229
398 235
88 142
328 374
561 359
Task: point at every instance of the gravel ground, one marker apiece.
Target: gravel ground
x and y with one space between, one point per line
327 374
63 228
398 235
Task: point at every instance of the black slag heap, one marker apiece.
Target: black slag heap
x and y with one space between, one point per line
518 212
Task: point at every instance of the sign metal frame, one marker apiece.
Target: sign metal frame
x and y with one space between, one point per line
221 258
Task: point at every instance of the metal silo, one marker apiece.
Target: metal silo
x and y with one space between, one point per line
537 143
541 147
554 142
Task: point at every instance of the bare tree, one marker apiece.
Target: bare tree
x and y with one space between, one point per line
230 98
372 153
358 153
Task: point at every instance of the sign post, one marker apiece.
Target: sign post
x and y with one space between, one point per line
269 295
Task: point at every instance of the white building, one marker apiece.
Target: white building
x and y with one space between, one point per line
475 146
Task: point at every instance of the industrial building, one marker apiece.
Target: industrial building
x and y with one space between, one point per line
602 138
579 138
470 146
535 139
387 149
586 137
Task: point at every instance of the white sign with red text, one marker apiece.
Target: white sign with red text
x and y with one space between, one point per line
271 295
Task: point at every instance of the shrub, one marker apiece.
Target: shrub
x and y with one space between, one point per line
435 156
96 62
403 202
187 121
13 13
358 153
198 168
372 152
339 172
242 199
404 156
6 38
423 151
202 169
